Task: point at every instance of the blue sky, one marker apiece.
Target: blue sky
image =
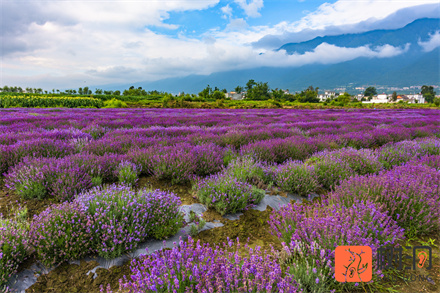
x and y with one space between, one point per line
71 43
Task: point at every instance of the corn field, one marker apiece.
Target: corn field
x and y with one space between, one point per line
43 101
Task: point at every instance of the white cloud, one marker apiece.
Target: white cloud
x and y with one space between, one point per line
252 8
328 54
237 24
432 43
344 17
227 11
67 43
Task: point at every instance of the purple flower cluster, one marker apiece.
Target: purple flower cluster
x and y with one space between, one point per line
401 152
363 161
296 177
227 194
122 218
14 248
179 162
61 178
409 193
193 267
312 232
128 172
362 223
62 232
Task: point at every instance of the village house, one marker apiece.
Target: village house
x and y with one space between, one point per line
235 96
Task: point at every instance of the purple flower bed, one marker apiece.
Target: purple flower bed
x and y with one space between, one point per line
409 193
122 218
193 267
62 232
296 177
14 248
312 232
227 194
363 161
399 153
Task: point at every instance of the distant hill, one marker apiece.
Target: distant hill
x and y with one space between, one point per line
419 30
413 67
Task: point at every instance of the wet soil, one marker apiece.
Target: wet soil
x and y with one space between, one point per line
252 228
73 278
9 200
184 191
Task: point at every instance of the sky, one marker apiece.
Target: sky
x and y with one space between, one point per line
66 44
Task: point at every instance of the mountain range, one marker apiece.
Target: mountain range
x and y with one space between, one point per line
414 65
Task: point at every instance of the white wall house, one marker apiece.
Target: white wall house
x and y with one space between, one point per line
235 96
417 97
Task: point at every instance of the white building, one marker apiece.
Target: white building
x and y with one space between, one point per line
235 96
417 97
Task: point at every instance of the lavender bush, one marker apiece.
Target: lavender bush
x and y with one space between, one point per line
431 161
410 193
62 232
128 173
279 150
312 232
28 179
364 161
331 171
399 153
122 218
226 193
192 267
247 169
295 177
14 248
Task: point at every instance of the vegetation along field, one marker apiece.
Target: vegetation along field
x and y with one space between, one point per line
81 185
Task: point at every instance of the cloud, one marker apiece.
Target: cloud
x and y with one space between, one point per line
237 24
328 54
345 17
252 8
116 16
227 11
64 44
432 43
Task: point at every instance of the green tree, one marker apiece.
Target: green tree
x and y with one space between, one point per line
428 93
117 93
258 91
98 92
80 91
394 97
218 95
345 98
206 92
370 91
310 95
278 94
238 89
250 84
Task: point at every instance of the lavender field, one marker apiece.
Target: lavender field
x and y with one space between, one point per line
98 182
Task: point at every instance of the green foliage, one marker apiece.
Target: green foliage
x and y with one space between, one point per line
13 244
226 194
258 91
344 98
297 178
198 223
370 91
45 101
217 95
114 103
302 264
